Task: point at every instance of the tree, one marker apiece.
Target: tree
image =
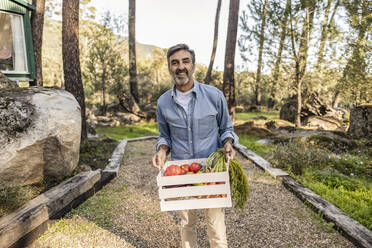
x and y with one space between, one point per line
355 72
260 51
132 51
228 75
37 25
105 67
70 53
326 26
208 77
278 57
300 56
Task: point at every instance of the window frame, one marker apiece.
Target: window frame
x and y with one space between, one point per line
27 71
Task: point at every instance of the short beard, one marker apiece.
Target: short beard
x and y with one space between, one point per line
182 82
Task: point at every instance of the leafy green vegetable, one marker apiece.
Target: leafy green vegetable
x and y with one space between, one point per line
216 162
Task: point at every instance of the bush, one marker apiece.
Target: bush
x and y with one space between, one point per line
295 156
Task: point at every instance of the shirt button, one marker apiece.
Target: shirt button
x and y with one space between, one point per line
190 142
189 129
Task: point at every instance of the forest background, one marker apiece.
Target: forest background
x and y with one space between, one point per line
324 45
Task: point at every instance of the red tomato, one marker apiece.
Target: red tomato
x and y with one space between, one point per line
173 170
185 168
195 167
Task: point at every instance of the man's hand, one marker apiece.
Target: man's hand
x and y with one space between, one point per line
159 157
228 149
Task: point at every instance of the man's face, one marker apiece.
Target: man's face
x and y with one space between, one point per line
181 67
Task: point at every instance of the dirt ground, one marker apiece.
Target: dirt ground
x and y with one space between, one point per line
126 213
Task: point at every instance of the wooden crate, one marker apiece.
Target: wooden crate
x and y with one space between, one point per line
178 193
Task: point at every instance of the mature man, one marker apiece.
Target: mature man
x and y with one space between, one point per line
193 122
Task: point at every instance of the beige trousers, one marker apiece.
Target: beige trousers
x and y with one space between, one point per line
215 220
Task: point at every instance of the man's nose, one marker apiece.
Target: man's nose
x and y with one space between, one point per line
181 66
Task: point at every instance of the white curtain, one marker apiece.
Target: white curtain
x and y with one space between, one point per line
20 59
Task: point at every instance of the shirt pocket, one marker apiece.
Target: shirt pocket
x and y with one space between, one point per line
207 125
177 128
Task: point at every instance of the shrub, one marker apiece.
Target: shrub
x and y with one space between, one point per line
296 156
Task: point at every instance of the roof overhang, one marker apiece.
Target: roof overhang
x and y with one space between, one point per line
24 4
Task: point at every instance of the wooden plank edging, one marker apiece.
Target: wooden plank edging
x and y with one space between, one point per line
34 213
350 228
262 163
116 158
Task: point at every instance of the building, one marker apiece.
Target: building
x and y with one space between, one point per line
16 50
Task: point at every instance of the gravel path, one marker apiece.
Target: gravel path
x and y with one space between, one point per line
126 213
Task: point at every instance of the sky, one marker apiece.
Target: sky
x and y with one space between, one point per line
164 23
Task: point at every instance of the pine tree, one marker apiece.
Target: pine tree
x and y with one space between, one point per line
37 25
70 53
300 56
132 51
228 75
208 76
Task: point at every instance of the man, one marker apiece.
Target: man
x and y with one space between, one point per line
193 122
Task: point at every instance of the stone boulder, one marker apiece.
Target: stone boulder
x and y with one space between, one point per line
39 134
361 121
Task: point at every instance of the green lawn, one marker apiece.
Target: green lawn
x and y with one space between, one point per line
129 131
250 141
253 115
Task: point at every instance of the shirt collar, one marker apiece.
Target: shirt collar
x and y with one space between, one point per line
194 89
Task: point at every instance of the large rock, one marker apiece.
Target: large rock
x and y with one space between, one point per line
39 134
315 113
361 121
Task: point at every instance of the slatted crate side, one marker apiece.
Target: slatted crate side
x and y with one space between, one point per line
218 189
196 204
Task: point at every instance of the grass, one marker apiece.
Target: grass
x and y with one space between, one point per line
355 198
96 152
343 179
250 141
12 198
256 115
129 131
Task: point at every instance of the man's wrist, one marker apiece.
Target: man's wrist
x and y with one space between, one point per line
228 140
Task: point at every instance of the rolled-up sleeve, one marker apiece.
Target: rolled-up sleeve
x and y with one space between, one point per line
226 126
164 137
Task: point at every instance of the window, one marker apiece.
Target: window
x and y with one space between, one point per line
13 57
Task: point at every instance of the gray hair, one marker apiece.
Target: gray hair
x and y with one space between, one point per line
178 47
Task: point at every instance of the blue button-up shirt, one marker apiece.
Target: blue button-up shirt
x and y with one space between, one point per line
201 131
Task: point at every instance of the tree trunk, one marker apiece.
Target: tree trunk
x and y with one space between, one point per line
260 52
208 77
301 56
70 54
325 29
228 74
132 51
104 107
278 60
37 25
